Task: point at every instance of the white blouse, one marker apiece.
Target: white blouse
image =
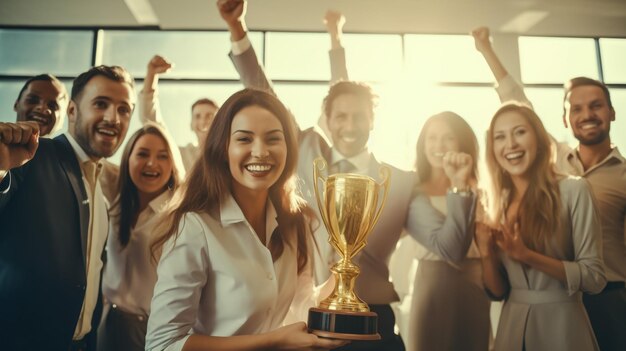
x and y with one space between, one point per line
130 272
216 278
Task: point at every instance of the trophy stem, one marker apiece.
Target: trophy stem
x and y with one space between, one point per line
343 297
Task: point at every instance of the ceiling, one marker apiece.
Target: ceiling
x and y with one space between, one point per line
531 17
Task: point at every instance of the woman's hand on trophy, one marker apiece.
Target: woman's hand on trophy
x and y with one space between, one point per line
458 168
296 337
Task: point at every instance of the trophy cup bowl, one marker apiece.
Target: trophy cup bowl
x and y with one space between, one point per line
349 207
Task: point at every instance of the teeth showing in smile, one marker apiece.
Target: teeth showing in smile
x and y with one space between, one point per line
514 155
150 174
40 120
109 132
588 125
438 154
348 139
256 167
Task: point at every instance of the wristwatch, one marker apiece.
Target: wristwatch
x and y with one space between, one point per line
465 192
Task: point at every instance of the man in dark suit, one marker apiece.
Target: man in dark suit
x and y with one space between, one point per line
53 217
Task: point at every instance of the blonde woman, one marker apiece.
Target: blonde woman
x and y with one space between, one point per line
545 250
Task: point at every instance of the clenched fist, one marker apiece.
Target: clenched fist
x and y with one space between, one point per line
18 143
458 168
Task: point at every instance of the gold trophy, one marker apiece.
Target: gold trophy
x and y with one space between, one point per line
349 209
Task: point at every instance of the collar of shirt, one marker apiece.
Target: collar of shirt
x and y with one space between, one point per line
230 213
361 161
574 159
80 153
158 203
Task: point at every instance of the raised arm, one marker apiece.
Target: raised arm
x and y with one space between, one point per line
334 22
449 236
18 144
251 72
507 87
149 109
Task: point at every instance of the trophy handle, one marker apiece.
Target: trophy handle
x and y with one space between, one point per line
385 174
318 165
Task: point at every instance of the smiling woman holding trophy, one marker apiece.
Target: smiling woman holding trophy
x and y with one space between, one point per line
235 256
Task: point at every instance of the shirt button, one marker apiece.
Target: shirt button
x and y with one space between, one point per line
141 318
270 276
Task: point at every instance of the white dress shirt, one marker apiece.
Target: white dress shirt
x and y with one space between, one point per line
361 161
217 278
130 273
98 225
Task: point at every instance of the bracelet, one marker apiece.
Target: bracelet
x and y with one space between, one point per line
465 192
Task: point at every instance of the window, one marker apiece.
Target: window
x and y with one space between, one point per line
444 58
555 60
373 57
297 56
613 57
196 55
59 52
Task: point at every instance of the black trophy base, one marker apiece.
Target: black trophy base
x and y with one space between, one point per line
343 325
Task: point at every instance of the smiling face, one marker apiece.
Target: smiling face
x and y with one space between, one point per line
440 138
589 114
257 150
44 102
514 143
350 122
201 119
100 117
150 164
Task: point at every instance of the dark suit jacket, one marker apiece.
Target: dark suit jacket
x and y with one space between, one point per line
44 221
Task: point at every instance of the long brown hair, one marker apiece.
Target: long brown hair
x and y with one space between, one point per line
539 213
126 206
210 180
463 133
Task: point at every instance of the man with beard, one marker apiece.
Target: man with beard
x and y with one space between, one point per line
588 109
53 217
43 99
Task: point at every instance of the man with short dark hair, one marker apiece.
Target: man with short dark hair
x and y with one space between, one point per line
588 111
42 99
53 217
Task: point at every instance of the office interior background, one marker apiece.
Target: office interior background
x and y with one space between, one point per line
417 55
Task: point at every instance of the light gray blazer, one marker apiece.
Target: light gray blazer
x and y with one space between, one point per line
541 312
